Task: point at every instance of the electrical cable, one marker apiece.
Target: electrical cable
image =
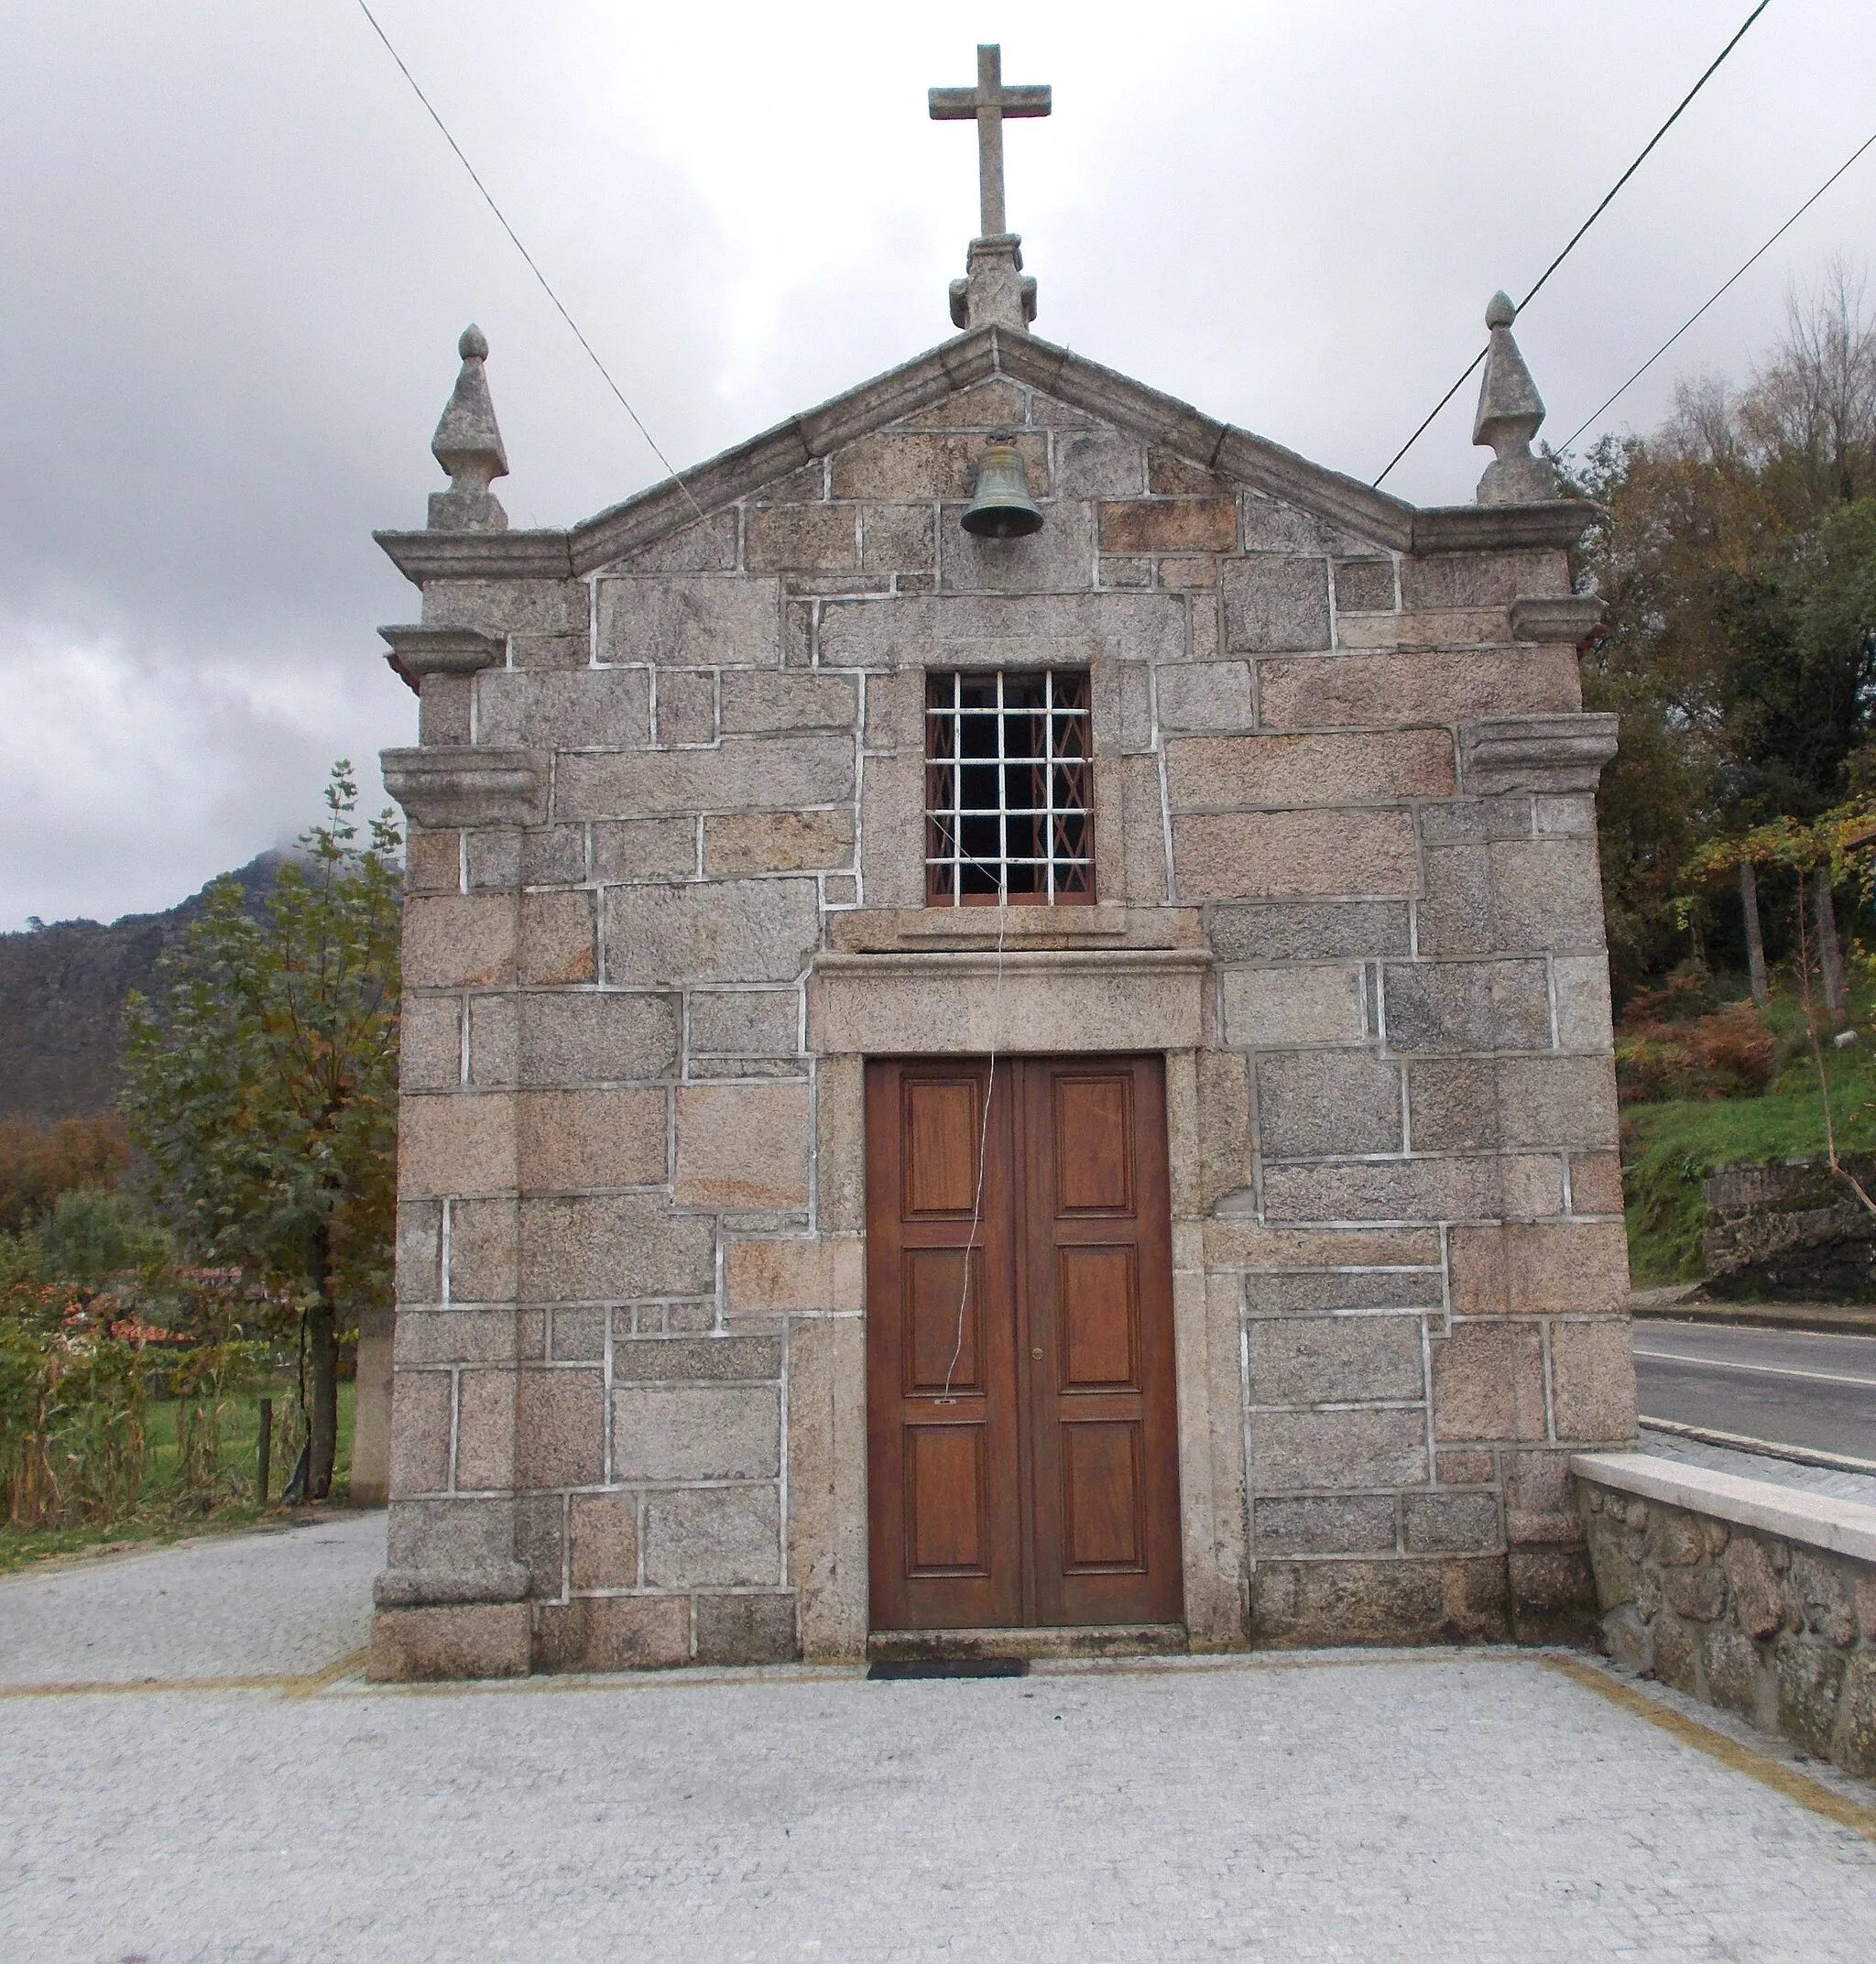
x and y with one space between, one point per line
1577 235
970 1246
1709 301
501 220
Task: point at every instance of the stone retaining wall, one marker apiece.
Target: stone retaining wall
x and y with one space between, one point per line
1791 1230
1757 1598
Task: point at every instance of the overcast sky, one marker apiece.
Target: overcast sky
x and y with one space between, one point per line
235 255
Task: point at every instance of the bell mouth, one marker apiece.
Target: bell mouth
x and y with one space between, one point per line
1002 521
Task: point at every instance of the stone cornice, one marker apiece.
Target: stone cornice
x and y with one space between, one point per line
468 784
1818 1520
668 508
1572 618
1502 528
418 651
422 557
1253 461
961 930
944 1002
956 962
1536 753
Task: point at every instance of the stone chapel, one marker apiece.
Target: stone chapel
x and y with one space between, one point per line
1007 1042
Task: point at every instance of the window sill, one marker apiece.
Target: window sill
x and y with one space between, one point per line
940 930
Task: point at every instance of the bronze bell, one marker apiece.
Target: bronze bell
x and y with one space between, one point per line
1001 506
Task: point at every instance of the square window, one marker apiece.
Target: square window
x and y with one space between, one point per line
1007 789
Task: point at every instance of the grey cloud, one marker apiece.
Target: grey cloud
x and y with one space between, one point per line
237 257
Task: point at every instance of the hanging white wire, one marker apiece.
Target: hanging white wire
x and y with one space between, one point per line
983 1154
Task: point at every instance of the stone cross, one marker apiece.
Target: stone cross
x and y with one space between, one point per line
988 104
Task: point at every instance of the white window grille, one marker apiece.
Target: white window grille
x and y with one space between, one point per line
1007 789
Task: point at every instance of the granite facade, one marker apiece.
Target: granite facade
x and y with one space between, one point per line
1346 873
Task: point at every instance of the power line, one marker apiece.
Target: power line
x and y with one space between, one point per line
1709 301
1580 230
605 373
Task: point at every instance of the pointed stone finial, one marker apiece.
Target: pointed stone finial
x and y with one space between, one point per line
468 445
1510 411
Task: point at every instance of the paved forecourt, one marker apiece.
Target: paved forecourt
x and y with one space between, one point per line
1453 1804
270 1604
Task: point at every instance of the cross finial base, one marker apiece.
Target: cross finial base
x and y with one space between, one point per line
995 292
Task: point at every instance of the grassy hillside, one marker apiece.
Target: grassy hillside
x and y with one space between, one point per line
1670 1145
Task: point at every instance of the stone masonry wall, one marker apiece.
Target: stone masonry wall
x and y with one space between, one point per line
1758 1623
629 1411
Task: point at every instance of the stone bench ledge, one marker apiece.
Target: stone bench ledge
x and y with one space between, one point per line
1815 1519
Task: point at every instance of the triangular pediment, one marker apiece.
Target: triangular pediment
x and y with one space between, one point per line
964 364
1241 458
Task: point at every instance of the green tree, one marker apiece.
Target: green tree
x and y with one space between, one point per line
261 1087
1736 552
92 1236
1659 518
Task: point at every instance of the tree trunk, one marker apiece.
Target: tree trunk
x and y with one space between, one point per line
1829 955
322 1349
1755 939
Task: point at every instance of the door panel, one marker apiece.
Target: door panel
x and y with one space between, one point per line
946 1519
1022 1451
1101 1423
942 1322
947 1503
942 1121
1094 1144
1103 1497
1099 1290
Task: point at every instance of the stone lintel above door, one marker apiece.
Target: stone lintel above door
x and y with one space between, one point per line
1039 1000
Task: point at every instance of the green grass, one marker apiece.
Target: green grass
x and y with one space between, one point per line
161 1516
1669 1147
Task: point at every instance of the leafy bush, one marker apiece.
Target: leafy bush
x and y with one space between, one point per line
96 1325
1729 1054
261 1086
92 1238
74 1388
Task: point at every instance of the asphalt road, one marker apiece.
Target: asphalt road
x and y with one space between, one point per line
1793 1387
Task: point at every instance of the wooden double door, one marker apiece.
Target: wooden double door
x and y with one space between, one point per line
1022 1455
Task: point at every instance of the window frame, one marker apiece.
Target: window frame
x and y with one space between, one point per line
1066 711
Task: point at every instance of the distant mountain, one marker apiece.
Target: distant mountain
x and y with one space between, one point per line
61 1000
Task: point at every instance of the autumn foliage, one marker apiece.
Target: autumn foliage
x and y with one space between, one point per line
38 1162
1727 1054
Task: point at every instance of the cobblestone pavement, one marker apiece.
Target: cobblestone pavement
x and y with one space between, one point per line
1860 1487
1431 1805
228 1605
